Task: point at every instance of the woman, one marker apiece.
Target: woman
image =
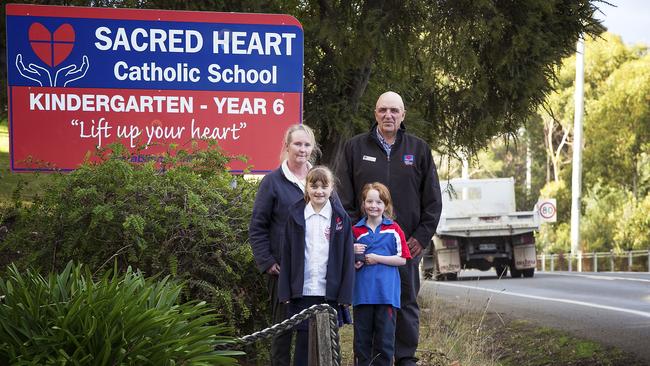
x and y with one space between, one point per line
278 191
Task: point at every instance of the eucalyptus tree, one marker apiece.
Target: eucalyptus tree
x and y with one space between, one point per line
618 130
468 70
603 56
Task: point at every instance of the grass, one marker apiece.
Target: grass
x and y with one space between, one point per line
524 343
448 336
31 182
451 335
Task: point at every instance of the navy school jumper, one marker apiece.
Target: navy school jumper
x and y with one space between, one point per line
340 265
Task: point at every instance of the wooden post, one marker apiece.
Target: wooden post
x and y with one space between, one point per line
611 260
552 262
595 262
629 261
579 263
320 343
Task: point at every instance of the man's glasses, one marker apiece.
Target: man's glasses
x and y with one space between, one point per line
384 110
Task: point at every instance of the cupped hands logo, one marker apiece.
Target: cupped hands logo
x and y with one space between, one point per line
52 49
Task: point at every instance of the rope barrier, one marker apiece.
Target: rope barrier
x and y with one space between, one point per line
290 324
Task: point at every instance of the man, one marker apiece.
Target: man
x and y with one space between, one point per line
403 162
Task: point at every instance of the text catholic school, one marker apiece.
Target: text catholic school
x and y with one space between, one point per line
191 41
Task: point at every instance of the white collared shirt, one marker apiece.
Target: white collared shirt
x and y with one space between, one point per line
292 177
317 249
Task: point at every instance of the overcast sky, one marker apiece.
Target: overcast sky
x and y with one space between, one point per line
629 19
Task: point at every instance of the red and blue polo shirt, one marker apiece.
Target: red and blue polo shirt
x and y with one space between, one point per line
379 283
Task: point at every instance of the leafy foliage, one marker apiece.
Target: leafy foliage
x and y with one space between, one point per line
633 228
504 157
468 70
622 107
189 221
603 210
69 318
553 238
615 154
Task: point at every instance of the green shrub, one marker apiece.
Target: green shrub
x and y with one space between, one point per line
603 210
633 225
69 318
189 220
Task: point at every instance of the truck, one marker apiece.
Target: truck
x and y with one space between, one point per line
480 228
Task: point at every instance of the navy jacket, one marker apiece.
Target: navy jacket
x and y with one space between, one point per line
266 230
340 265
409 173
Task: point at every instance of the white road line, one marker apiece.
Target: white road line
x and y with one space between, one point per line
608 278
565 301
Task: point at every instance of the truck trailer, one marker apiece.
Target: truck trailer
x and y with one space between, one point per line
480 228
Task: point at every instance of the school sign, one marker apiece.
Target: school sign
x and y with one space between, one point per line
82 78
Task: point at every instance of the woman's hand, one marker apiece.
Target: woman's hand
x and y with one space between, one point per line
359 248
274 270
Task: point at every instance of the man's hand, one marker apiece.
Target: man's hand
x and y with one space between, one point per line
274 270
414 246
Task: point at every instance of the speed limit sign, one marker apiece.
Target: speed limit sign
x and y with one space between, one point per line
547 210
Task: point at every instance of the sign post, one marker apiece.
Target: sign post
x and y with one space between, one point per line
82 78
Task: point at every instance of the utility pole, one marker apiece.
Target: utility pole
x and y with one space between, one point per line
529 167
576 176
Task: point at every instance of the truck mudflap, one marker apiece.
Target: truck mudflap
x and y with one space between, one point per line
448 260
525 256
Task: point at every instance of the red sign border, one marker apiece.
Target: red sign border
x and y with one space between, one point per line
60 11
544 204
150 15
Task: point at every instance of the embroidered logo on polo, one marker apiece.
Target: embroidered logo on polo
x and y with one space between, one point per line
409 159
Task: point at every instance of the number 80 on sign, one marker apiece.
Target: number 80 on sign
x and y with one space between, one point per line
547 210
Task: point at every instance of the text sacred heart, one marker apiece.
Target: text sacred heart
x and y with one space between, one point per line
51 49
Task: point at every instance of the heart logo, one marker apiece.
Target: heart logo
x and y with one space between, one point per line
51 48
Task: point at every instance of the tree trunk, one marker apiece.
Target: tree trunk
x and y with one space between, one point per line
548 169
635 178
333 141
335 154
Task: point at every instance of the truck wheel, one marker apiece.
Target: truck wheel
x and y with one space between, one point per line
430 273
501 270
515 273
530 272
427 274
451 276
437 276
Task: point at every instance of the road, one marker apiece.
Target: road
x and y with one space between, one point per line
611 307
